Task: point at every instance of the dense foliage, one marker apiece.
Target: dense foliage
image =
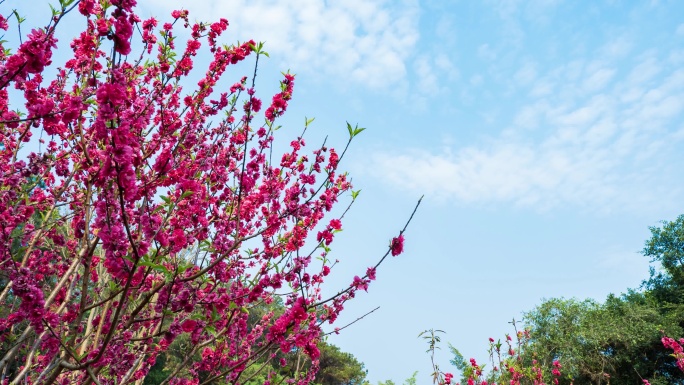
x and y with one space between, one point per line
617 341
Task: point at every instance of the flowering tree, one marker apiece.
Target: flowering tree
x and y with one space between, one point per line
147 212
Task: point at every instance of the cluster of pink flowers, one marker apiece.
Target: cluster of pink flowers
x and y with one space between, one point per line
397 245
677 349
154 212
279 102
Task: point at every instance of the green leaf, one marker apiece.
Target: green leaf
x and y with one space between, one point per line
198 316
19 18
156 267
210 329
112 286
183 268
308 121
66 3
355 130
258 48
358 130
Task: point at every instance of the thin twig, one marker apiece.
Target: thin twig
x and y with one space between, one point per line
337 330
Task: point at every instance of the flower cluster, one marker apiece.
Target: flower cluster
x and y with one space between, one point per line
677 349
397 245
279 102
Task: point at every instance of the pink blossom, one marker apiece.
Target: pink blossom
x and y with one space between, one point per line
189 325
360 283
397 245
123 30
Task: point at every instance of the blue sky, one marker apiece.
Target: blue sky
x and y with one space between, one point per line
546 137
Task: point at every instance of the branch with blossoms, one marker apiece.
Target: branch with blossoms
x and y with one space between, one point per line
677 347
508 366
157 210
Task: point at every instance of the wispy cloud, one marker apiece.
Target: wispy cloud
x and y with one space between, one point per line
591 134
367 42
485 52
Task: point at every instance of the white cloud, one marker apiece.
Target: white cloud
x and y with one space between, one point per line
515 13
367 42
445 29
485 52
680 30
427 78
529 116
446 66
617 47
598 79
582 116
645 71
476 80
527 74
432 73
676 57
605 142
542 88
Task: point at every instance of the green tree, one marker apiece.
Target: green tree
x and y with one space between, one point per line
666 247
556 327
615 342
338 367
